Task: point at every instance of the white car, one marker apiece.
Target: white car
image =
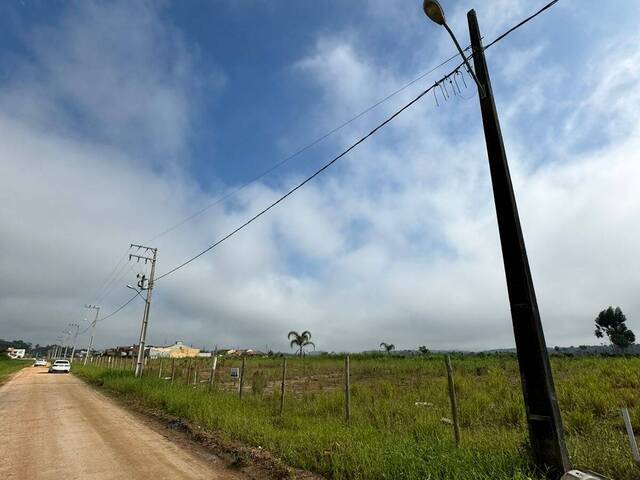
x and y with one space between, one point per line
60 366
40 362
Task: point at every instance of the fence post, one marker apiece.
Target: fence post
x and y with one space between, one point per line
188 371
282 386
347 389
632 439
241 377
213 371
195 373
173 369
454 400
160 369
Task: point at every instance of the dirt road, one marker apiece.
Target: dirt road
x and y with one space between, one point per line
55 426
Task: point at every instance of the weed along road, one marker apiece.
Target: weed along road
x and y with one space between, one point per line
55 426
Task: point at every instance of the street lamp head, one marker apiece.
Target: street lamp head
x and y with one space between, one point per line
131 287
434 11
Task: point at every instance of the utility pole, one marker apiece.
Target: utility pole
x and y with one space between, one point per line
147 302
546 434
93 330
65 341
75 339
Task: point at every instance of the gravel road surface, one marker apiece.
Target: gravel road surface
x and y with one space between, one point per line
55 426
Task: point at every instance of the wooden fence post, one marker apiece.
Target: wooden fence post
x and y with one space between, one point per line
195 373
241 377
282 386
213 371
188 371
454 400
173 369
347 389
632 439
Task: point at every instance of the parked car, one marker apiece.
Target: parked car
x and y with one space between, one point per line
40 362
60 366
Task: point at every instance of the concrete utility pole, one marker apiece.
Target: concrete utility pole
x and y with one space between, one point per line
147 302
75 339
93 331
546 434
67 334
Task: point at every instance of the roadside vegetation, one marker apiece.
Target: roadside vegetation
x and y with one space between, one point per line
9 366
400 412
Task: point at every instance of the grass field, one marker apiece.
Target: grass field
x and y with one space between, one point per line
396 428
8 366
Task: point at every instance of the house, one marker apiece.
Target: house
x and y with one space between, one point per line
178 350
16 352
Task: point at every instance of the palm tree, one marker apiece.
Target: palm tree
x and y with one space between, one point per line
388 347
301 340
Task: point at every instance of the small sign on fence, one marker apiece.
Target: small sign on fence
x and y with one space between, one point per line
235 372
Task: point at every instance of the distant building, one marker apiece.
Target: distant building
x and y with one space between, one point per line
178 350
244 353
16 352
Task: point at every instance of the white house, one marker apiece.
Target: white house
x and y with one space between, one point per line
16 352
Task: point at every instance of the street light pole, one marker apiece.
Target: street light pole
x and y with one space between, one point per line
546 434
93 331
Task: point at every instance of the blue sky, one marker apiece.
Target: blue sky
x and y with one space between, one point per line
121 118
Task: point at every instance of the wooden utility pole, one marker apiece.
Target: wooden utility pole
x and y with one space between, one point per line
282 385
347 390
242 377
546 433
213 371
454 400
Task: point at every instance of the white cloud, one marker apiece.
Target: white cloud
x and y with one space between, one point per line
397 243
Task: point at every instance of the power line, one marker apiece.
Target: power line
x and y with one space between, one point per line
354 145
116 311
302 150
119 271
526 20
312 176
327 165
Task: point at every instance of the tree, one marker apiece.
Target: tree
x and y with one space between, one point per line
424 350
612 323
388 347
301 340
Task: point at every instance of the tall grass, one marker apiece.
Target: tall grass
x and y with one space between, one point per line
398 405
9 366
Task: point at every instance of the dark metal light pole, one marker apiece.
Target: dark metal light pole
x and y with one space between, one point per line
546 434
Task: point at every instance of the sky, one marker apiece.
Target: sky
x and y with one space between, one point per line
119 119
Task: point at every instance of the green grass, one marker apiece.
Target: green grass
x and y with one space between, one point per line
390 436
9 366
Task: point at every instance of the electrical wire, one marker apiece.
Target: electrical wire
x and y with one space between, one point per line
311 177
302 150
345 152
116 311
335 159
526 20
